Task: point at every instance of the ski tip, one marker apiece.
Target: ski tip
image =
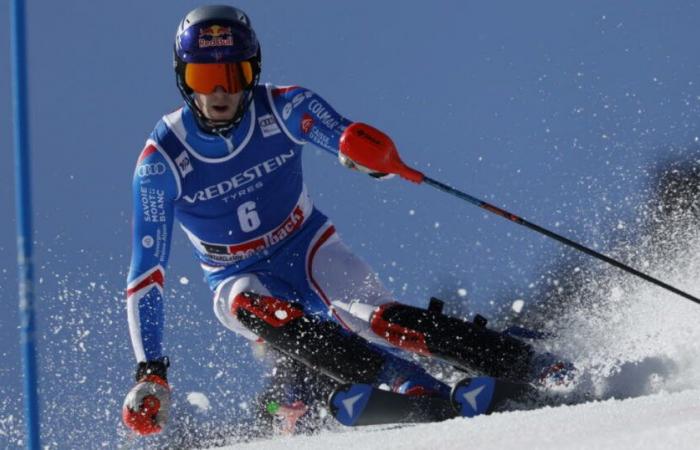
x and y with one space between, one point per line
472 396
348 401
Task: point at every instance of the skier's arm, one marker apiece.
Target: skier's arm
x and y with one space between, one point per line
309 118
154 190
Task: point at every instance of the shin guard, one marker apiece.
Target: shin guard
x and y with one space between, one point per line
466 345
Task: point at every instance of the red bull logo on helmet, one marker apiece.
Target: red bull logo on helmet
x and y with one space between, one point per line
215 36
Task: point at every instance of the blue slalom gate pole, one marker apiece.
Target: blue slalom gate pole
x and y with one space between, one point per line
23 209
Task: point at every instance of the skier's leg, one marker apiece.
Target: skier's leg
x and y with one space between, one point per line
361 302
291 382
341 279
325 346
294 396
468 345
227 290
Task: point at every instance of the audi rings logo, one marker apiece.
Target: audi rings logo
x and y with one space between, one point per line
146 170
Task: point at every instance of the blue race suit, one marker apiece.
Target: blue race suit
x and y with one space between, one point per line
241 201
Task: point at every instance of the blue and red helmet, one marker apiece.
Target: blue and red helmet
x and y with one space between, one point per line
211 37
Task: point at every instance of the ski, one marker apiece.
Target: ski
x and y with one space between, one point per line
485 395
361 404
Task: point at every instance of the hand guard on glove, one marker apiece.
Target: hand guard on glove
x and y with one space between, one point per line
147 405
366 144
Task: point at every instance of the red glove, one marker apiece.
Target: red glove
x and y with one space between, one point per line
366 144
369 150
147 405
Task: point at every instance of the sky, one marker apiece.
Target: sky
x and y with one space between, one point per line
553 110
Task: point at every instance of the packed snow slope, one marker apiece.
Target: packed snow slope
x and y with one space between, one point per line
664 420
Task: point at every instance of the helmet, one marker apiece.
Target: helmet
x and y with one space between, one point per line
217 34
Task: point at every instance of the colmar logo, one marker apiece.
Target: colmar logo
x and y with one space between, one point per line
323 115
307 122
215 36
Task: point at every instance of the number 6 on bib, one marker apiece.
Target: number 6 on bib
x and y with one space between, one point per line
248 217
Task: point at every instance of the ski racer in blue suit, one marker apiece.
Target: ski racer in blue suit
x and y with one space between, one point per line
227 167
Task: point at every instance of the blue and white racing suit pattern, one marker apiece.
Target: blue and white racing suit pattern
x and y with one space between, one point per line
242 202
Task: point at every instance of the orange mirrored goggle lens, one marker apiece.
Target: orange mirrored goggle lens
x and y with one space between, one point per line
232 77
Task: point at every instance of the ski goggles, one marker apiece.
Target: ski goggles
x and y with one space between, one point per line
206 77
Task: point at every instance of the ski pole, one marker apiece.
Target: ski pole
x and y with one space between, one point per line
520 221
373 149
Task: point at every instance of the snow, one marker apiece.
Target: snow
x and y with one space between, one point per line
518 306
664 420
199 400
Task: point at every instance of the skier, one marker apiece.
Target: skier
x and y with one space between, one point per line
227 166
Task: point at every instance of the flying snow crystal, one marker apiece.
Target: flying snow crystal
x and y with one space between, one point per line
518 306
616 294
437 225
411 212
462 292
184 280
199 400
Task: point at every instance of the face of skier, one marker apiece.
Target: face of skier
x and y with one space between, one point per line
219 88
219 106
